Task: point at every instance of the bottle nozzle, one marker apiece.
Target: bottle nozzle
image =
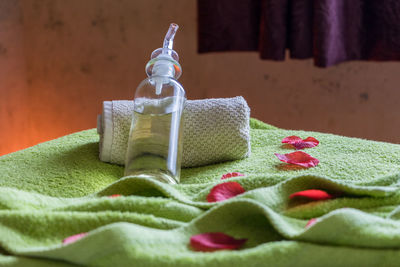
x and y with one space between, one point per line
164 61
169 37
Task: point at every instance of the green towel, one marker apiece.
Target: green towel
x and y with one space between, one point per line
59 188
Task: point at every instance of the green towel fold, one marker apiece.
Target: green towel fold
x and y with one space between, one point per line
60 188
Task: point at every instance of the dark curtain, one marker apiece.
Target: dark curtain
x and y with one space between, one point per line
329 31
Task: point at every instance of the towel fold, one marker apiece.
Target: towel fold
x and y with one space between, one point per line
214 130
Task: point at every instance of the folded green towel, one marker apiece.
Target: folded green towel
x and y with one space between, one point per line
60 188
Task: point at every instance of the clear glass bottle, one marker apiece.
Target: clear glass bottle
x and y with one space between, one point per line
155 139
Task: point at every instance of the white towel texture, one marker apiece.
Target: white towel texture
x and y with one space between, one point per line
214 130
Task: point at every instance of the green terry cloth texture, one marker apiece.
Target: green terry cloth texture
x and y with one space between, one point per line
60 188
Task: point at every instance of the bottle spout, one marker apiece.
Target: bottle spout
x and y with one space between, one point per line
164 61
169 38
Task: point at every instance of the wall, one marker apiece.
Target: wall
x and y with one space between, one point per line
60 59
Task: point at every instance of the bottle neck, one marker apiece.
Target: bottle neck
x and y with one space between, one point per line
163 68
164 65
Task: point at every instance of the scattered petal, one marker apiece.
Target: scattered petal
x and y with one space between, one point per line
225 191
291 139
299 143
314 194
115 195
311 222
73 238
299 158
215 241
231 174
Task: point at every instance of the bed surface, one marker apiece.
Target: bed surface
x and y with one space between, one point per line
60 188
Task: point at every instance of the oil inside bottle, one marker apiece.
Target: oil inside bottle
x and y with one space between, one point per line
156 141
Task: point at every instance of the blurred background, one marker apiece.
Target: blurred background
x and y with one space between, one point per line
60 59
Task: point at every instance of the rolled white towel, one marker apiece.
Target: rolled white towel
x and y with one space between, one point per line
214 130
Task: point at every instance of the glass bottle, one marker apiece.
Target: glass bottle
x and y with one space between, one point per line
155 139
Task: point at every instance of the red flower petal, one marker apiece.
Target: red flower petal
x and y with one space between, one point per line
225 191
231 174
215 241
313 194
311 222
291 139
115 195
299 143
73 238
298 158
